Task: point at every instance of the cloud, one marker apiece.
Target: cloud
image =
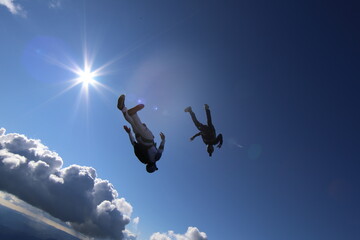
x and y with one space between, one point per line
192 234
136 220
17 9
129 235
54 4
13 203
74 194
13 7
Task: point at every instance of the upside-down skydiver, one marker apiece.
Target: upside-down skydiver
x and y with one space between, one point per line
207 132
144 146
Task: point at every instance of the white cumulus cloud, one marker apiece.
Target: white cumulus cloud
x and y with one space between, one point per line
33 173
73 194
192 233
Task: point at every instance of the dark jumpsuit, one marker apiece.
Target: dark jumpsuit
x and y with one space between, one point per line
207 132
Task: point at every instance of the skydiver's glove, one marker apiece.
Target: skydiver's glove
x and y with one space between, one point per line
162 136
127 129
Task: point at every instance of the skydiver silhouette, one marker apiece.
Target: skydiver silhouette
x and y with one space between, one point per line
144 146
207 132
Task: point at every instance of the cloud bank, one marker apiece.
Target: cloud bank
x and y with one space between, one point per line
192 233
74 194
33 173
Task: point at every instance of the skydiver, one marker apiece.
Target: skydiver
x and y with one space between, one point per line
144 146
207 132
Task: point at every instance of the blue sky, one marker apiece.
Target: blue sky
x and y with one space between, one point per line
281 79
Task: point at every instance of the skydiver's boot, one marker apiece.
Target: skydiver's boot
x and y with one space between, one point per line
206 106
188 109
121 101
135 109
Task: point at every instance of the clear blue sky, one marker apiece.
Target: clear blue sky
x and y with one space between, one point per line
281 79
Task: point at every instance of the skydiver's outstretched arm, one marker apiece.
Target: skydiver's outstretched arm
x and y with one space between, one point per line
131 137
196 135
219 140
162 144
155 153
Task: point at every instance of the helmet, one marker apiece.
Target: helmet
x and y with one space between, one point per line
151 167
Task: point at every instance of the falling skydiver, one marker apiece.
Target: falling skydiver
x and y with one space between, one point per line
207 132
144 146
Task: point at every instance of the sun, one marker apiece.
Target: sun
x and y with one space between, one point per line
86 77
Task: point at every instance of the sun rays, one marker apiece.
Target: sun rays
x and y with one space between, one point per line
85 77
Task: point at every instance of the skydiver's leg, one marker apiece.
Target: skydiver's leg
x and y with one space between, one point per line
208 116
194 119
121 101
141 128
196 122
131 117
124 110
128 118
135 109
